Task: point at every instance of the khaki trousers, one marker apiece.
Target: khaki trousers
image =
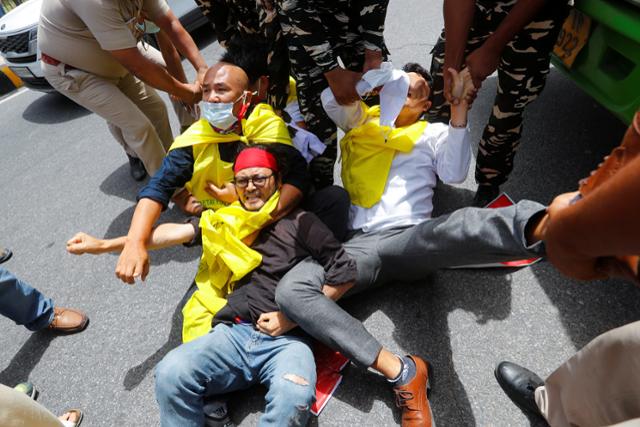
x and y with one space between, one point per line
599 385
127 103
18 410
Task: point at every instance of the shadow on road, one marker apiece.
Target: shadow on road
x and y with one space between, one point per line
120 184
588 309
53 108
27 358
419 313
137 374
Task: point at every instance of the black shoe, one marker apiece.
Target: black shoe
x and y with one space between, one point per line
520 385
216 413
5 254
485 195
136 168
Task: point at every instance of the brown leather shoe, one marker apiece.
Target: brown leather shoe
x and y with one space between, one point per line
412 397
68 320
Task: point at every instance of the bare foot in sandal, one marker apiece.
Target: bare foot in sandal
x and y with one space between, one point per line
71 418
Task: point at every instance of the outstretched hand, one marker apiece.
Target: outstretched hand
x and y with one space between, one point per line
83 243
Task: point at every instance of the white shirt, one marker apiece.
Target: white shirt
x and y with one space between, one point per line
442 151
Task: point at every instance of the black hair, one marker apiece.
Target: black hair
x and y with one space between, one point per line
276 151
414 67
249 53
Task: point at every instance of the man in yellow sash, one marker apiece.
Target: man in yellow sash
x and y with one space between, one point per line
238 353
200 159
390 163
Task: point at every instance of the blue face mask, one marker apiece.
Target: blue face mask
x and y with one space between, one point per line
219 114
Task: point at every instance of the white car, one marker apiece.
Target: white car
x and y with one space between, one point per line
19 38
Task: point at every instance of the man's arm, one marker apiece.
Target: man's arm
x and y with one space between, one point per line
171 57
155 75
295 183
372 14
181 39
134 259
346 116
458 16
163 236
452 146
483 61
603 224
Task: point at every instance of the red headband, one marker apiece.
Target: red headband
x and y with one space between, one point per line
255 158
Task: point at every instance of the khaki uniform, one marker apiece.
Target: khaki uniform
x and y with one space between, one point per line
599 385
17 410
79 34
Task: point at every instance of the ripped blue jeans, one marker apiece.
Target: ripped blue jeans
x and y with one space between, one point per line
235 357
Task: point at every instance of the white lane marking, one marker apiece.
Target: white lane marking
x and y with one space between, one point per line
19 92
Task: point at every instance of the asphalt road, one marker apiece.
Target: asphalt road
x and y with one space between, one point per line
61 172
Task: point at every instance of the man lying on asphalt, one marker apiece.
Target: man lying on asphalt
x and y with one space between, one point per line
394 237
211 363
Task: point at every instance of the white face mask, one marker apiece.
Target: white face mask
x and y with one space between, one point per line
219 114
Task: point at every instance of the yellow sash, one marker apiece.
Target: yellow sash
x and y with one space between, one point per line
262 126
293 91
367 153
225 260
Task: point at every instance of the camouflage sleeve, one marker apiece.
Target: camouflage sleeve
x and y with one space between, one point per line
278 56
371 17
303 29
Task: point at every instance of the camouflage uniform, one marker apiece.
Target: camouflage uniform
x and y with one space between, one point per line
241 17
317 33
522 73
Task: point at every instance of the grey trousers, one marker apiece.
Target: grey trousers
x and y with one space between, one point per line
466 236
599 385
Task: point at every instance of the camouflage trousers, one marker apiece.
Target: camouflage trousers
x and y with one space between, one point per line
347 44
522 73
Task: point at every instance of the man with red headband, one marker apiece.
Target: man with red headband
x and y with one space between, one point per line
200 159
236 353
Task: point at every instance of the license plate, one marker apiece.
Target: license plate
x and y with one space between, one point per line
573 37
22 72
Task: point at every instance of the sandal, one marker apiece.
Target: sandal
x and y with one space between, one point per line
5 254
80 415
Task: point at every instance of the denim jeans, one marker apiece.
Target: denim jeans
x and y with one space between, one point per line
24 304
233 358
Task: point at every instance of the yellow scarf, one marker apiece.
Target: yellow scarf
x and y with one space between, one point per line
262 126
225 260
293 91
367 153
